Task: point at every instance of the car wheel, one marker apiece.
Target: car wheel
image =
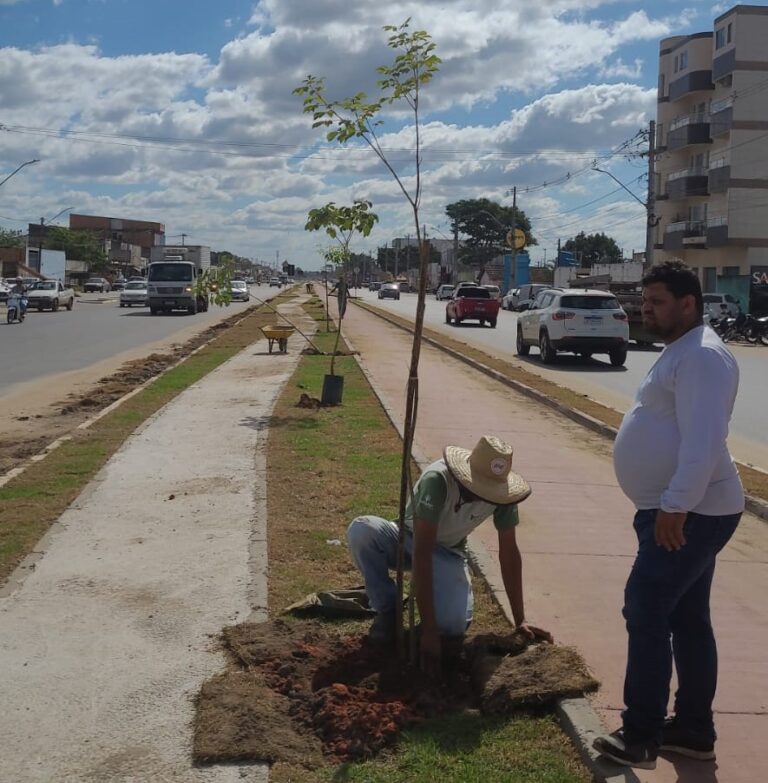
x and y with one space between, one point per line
546 351
618 357
492 323
447 317
70 304
122 305
55 305
522 348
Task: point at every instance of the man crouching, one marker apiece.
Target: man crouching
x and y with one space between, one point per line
453 496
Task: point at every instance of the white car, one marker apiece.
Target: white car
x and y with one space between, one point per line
494 289
718 305
444 291
509 300
240 291
50 295
275 281
577 320
134 293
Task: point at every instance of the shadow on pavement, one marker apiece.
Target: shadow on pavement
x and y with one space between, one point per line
571 363
690 771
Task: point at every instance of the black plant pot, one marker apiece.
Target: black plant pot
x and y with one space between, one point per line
333 388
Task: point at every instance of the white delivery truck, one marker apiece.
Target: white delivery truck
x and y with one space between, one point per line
172 279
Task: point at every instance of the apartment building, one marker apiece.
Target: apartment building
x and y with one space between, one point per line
712 162
121 236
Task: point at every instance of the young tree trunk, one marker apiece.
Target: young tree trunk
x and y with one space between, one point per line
411 407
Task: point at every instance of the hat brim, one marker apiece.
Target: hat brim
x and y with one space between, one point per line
514 490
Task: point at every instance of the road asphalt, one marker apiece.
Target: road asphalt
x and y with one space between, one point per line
108 634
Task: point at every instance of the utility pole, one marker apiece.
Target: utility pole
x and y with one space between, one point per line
456 252
513 271
652 221
183 237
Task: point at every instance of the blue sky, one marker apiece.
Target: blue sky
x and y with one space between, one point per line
159 93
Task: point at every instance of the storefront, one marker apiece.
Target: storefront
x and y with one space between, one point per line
758 291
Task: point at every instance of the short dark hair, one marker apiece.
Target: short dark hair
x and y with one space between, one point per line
679 279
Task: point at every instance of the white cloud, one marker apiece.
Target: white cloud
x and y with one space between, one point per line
496 56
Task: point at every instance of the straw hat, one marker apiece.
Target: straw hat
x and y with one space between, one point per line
486 471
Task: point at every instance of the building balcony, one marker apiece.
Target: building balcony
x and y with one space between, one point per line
721 117
688 183
685 233
719 175
695 81
717 231
687 130
723 65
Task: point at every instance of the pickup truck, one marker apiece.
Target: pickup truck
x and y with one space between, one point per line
472 303
50 295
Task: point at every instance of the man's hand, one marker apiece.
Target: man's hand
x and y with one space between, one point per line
430 652
668 531
535 634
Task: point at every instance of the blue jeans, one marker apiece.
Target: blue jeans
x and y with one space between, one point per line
667 597
373 546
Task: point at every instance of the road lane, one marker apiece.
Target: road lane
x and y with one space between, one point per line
596 378
96 329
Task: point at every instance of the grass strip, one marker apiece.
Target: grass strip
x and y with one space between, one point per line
31 502
327 466
755 481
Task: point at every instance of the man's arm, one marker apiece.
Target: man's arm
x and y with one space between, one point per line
511 562
705 390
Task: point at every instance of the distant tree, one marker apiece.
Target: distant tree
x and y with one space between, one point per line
341 223
78 246
10 238
594 248
483 225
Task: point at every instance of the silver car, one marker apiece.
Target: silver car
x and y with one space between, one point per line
134 293
240 292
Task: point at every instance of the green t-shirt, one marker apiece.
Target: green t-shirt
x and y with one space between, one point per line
437 499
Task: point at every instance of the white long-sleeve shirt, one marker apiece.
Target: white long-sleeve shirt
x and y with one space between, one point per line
671 450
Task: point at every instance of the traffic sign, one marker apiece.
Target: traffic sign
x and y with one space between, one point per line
516 239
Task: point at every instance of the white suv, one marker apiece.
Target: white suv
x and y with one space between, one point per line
582 321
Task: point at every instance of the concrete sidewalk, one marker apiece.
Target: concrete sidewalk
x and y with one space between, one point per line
578 544
106 641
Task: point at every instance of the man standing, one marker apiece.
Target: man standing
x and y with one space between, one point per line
453 496
672 461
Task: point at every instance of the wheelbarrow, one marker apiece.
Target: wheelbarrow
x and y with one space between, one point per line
277 334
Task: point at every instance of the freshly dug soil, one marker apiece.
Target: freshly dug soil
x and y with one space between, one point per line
351 698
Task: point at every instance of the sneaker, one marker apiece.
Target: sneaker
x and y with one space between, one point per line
382 628
637 754
677 739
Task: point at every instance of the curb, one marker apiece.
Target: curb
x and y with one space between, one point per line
754 505
577 717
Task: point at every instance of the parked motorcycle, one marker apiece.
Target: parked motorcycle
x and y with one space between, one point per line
757 329
16 308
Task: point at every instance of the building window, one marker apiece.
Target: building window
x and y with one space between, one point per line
661 85
720 38
730 271
729 36
677 60
710 278
683 60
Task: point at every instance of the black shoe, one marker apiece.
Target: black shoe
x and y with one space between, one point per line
630 754
677 739
382 628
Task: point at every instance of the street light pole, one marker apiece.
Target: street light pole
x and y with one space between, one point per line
17 170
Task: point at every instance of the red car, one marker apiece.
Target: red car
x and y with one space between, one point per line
472 303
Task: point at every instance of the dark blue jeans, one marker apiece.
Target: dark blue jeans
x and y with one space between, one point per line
667 598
